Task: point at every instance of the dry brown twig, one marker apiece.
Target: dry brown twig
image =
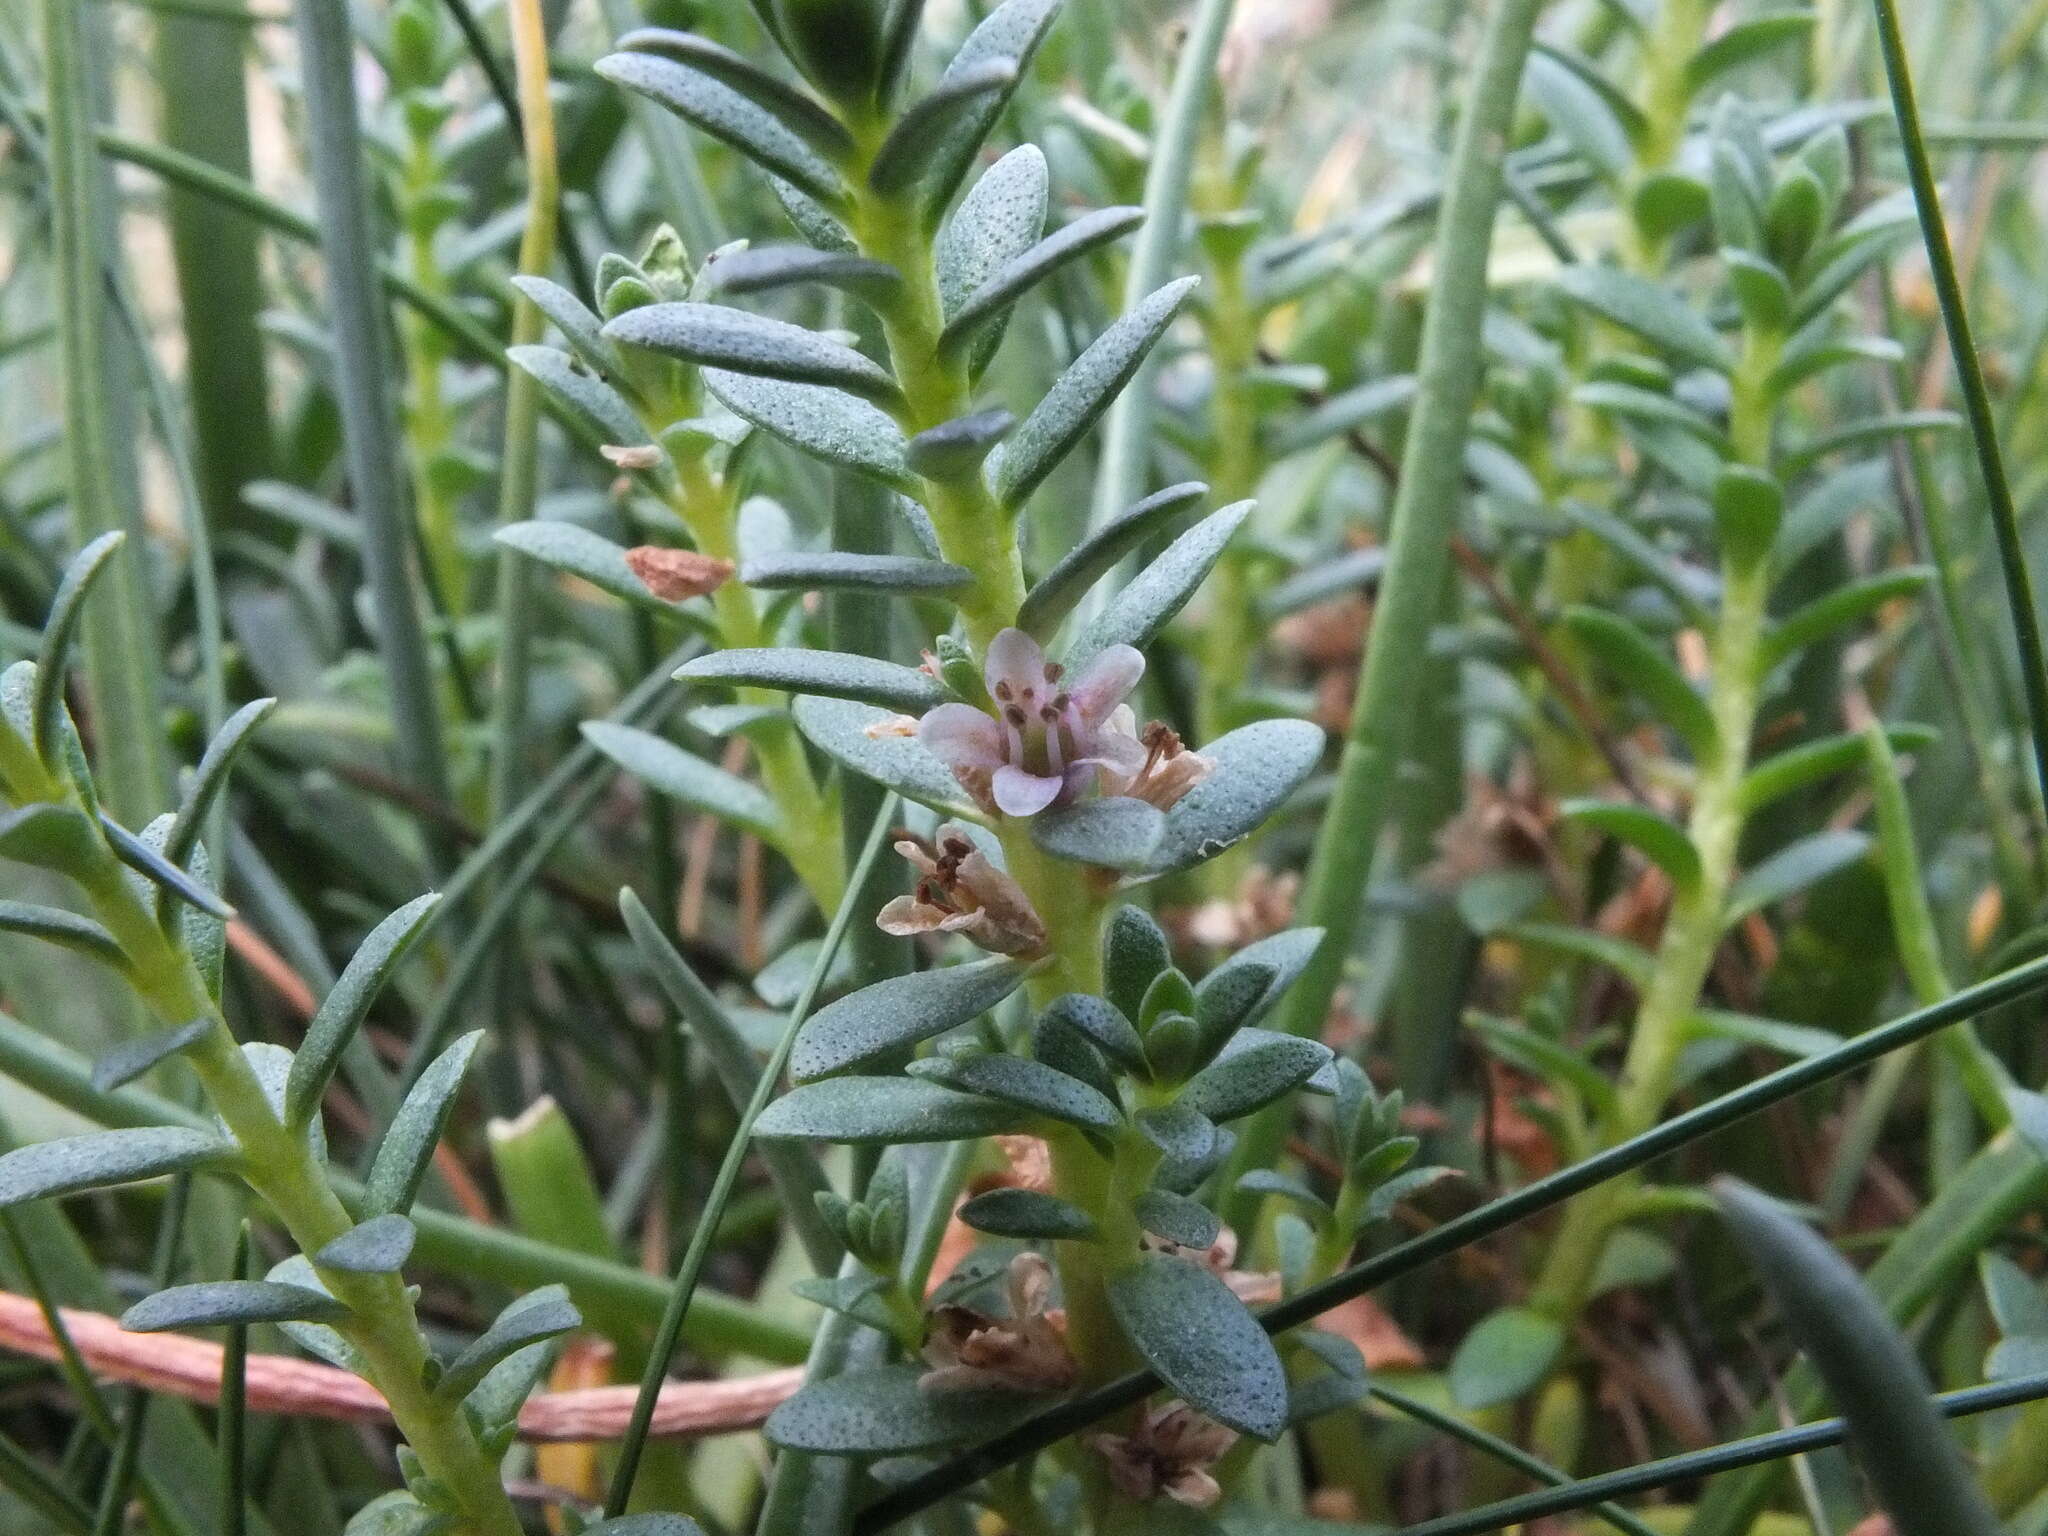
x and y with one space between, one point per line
279 1384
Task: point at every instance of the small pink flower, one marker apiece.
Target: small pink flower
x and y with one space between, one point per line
1047 742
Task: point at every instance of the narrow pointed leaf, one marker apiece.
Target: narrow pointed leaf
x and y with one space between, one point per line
1631 657
409 1142
920 139
1844 606
379 1246
100 1159
1103 1024
1266 1067
147 860
717 336
1650 310
835 674
666 767
211 777
783 102
584 395
54 925
828 424
1022 273
1659 840
1013 31
53 657
832 571
1142 609
1079 396
1793 868
347 1002
579 325
131 1058
1027 1084
534 1317
719 110
897 1012
1026 1214
218 1303
1056 592
1798 767
767 268
590 557
840 728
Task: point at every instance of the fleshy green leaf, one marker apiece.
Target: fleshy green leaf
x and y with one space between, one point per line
1792 869
1109 831
563 546
131 1058
767 268
840 729
1027 1084
883 1412
1504 1356
1056 593
833 571
211 777
645 1525
725 114
828 424
998 220
1743 43
342 1012
53 836
221 1303
1203 1343
919 141
1903 1445
957 448
834 674
1345 412
582 394
409 1141
100 1159
1661 841
1650 310
53 656
1026 1214
1184 1134
1137 613
666 767
1103 1024
68 930
783 102
144 857
1843 606
883 1110
1251 1071
1079 396
1187 1223
397 1513
1023 272
1013 30
379 1246
1134 952
1256 768
534 1317
1628 653
897 1012
736 341
581 328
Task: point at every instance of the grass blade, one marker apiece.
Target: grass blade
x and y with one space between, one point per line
635 1441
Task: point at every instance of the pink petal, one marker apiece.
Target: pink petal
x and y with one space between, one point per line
961 736
1102 687
1024 794
1014 658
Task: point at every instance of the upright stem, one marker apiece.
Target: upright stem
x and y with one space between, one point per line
1420 526
1692 931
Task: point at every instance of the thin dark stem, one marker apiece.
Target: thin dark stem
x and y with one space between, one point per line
2019 589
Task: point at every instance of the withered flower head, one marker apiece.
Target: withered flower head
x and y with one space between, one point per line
1169 770
631 455
674 575
959 890
1253 1287
1024 1352
1170 1454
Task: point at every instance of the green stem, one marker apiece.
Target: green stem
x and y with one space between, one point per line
120 644
1420 526
280 1164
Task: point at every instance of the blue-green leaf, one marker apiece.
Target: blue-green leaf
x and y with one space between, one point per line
342 1012
884 1110
666 767
897 1012
1203 1343
100 1159
1137 613
409 1141
834 674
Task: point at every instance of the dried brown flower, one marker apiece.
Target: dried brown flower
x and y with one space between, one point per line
1171 1454
960 890
1024 1352
675 575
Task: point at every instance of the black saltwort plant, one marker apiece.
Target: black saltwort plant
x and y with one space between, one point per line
1089 1172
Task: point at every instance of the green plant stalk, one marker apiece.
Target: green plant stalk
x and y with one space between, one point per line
518 467
279 1163
429 420
1420 526
704 505
1692 931
1674 37
621 1299
326 45
220 280
2019 590
1127 434
1231 629
121 647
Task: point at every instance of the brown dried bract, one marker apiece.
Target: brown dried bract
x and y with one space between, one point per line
1024 1352
1171 1454
676 575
